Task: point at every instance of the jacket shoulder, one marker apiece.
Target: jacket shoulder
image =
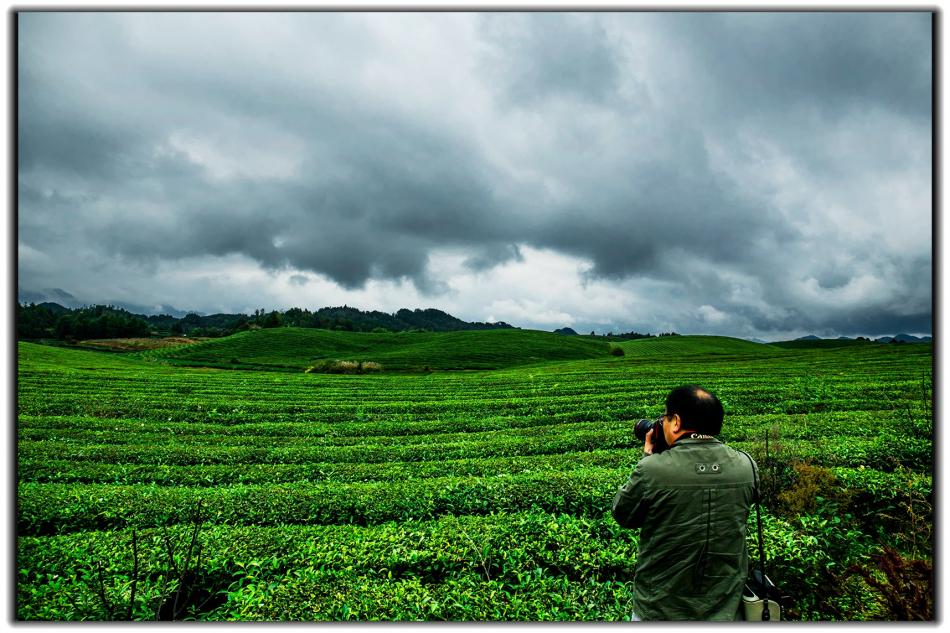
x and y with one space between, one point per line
694 464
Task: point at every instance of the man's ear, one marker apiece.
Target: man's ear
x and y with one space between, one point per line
676 423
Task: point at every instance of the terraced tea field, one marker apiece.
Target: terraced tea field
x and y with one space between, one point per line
164 484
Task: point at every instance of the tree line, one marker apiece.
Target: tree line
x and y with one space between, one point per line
53 321
42 321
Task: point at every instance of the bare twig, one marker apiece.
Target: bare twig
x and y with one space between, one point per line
478 553
186 568
135 573
169 550
102 591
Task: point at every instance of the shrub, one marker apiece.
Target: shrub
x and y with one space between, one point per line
616 350
813 484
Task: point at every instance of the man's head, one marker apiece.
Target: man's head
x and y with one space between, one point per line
698 410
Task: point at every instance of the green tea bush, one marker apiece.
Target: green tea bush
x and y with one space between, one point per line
250 562
808 558
317 595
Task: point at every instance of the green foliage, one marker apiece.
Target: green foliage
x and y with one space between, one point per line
478 495
34 321
99 322
348 319
471 563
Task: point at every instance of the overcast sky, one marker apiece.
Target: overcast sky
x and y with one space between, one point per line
747 174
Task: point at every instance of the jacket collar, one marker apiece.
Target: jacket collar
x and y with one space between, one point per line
686 439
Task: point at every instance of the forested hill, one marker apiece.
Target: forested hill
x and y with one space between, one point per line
51 320
428 319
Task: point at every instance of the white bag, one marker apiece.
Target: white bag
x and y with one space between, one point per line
753 605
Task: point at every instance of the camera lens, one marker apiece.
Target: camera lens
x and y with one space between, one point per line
641 429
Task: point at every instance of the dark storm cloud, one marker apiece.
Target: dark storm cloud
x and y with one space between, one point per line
831 62
693 149
374 193
663 208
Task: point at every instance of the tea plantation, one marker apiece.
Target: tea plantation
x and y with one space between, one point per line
470 478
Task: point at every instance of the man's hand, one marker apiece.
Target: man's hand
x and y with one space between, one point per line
648 442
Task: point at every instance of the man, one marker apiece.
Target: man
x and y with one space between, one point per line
691 502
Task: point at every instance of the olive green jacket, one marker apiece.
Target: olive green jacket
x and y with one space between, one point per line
691 503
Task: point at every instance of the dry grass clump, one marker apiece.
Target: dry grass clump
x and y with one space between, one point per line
811 484
906 585
344 367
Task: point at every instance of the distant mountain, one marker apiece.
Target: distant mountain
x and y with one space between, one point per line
54 308
910 338
160 310
566 330
821 343
904 338
48 295
810 337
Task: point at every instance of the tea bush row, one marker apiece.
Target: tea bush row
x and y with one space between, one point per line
64 471
155 434
877 452
498 545
183 454
59 508
813 426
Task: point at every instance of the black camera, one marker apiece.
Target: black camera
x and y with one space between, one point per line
641 428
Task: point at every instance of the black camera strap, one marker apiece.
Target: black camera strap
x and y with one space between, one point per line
766 616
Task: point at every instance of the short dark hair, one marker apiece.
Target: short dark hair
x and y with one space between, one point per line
698 409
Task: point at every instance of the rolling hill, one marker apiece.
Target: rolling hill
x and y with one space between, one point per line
695 346
296 349
820 343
